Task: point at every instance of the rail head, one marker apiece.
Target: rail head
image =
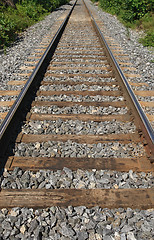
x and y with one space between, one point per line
7 125
139 113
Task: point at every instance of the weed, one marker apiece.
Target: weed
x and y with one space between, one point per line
27 12
128 33
148 40
133 14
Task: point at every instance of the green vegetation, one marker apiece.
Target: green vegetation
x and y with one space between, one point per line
26 12
147 24
135 14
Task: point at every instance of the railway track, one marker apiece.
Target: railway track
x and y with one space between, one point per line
76 111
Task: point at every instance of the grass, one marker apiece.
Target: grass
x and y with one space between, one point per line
13 21
147 24
133 14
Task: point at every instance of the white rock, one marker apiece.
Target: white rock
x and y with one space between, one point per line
130 236
22 229
117 236
13 213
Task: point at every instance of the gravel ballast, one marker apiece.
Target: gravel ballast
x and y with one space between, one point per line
79 98
79 87
14 58
141 57
77 127
78 78
78 223
79 109
66 178
4 109
74 149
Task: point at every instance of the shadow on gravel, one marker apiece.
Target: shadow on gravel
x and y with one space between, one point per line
19 38
11 147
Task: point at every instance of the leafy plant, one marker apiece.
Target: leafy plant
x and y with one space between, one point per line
6 28
27 12
133 13
148 40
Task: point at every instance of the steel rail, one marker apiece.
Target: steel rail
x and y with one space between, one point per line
15 111
144 122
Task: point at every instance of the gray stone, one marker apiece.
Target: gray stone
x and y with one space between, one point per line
66 230
80 210
53 221
6 225
126 229
129 213
53 209
45 214
107 232
18 223
4 211
6 234
82 235
90 225
33 225
130 236
107 238
123 236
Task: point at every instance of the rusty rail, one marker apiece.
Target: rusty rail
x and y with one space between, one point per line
31 85
135 105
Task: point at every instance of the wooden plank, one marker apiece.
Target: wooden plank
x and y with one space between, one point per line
117 50
124 63
31 62
34 57
8 163
82 117
105 75
57 163
25 74
132 75
104 198
79 68
3 115
113 44
39 54
78 47
145 93
79 50
138 84
86 104
83 93
40 49
147 104
6 103
9 93
79 62
16 82
44 44
119 54
129 68
70 54
27 67
150 117
122 58
78 57
113 83
89 139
